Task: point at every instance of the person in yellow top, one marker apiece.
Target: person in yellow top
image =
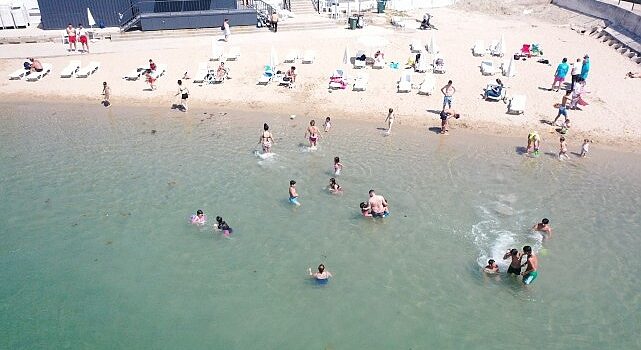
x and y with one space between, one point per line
533 141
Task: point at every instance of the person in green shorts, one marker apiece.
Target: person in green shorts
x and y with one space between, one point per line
532 265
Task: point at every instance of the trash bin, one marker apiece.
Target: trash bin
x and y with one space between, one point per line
381 6
352 22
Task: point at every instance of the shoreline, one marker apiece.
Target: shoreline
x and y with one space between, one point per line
428 126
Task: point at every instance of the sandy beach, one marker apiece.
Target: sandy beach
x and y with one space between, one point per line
608 119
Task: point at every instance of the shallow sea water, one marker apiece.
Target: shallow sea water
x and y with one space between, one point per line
96 252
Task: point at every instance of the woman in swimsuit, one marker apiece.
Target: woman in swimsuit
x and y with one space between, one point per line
333 187
314 135
266 139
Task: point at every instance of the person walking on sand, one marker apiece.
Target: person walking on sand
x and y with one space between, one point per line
389 120
275 21
448 94
184 95
106 93
71 34
575 72
225 28
532 263
83 37
563 107
559 75
585 68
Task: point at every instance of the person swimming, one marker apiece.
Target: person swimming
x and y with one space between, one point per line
199 219
491 267
338 166
293 194
223 226
266 139
322 276
333 187
365 211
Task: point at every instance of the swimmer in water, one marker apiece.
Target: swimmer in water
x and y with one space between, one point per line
293 194
337 166
544 226
532 263
199 218
365 210
223 226
333 187
321 275
266 139
491 267
515 264
328 124
313 133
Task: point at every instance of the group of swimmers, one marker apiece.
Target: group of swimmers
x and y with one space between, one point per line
200 219
531 264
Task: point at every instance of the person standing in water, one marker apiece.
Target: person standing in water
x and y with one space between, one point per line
293 194
377 204
328 124
322 275
543 226
390 120
266 139
533 142
532 263
338 166
313 133
106 93
515 264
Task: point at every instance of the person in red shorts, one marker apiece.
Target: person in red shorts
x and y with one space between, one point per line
71 33
83 37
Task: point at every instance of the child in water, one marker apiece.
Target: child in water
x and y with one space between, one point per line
223 226
563 149
544 226
333 187
365 211
293 194
492 267
328 124
198 219
585 148
533 142
338 166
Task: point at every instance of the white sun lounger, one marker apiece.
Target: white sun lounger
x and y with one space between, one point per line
19 74
161 69
360 83
35 76
86 71
338 73
201 73
423 64
291 56
70 69
517 104
489 87
428 85
267 75
216 52
378 64
489 68
416 46
135 73
479 48
405 82
232 54
308 57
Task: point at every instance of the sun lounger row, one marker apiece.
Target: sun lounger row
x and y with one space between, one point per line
31 75
74 68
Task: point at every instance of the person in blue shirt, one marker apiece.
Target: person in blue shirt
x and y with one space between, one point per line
559 76
585 69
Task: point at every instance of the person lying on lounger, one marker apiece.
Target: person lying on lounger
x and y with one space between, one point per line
495 90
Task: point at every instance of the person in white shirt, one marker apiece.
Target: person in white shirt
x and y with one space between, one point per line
83 37
575 72
226 30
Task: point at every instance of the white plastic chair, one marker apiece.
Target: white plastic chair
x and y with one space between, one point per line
489 68
517 104
428 85
405 82
360 83
479 48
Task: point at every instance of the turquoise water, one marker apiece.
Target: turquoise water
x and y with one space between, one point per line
96 252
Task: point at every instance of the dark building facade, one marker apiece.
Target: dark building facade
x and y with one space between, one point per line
145 14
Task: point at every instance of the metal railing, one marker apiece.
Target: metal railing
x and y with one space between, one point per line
261 6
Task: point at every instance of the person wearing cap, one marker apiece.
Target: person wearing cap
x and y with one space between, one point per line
585 69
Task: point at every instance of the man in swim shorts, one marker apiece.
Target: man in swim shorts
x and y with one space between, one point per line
293 194
313 133
544 226
71 33
532 263
515 264
377 204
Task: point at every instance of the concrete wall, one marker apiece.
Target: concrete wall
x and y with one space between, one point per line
403 5
194 20
629 21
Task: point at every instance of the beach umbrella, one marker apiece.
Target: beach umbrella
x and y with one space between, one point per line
511 68
432 46
345 57
90 19
273 58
